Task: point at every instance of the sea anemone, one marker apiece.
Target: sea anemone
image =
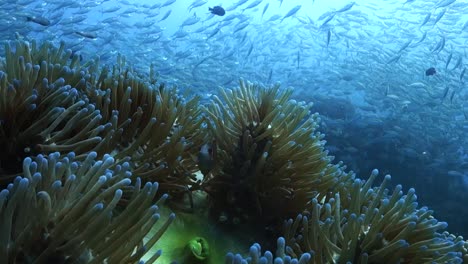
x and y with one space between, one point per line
270 159
154 125
40 112
64 211
56 104
375 227
256 257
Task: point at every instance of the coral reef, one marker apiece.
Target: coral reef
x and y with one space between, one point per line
270 158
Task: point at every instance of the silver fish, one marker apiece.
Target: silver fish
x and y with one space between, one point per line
426 19
90 35
165 15
445 3
39 20
292 12
265 8
458 63
462 74
346 7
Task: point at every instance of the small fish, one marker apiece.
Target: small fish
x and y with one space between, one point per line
405 46
250 50
417 85
394 59
214 32
197 3
458 63
346 7
442 45
168 3
180 34
111 9
426 19
269 76
165 15
328 37
465 26
445 3
244 38
448 60
445 92
240 2
265 8
292 12
298 59
462 73
39 20
90 35
431 71
439 16
451 96
252 5
190 21
240 27
274 18
207 158
422 38
327 20
217 10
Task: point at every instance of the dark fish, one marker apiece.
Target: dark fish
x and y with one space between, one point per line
217 10
431 71
39 20
207 158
